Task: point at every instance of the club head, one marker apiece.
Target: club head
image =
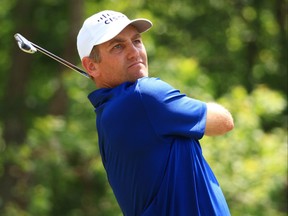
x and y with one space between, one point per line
24 44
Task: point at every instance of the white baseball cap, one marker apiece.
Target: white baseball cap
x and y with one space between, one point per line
104 26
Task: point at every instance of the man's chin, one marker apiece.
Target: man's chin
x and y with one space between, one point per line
139 73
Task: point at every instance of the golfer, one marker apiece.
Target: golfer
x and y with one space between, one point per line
148 131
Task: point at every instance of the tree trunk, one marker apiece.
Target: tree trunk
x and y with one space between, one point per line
59 102
14 108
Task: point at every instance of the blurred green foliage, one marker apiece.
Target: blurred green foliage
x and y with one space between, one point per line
232 52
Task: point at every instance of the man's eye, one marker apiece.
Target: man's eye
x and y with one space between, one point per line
118 46
138 41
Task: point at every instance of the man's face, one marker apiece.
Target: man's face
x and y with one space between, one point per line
123 59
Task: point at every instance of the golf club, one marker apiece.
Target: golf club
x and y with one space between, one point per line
31 48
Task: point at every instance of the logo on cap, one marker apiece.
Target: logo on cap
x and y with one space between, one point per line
108 18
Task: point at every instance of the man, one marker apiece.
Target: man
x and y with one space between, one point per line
148 131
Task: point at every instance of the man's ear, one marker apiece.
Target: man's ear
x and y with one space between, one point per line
90 66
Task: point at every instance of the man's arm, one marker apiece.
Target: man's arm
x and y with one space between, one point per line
219 120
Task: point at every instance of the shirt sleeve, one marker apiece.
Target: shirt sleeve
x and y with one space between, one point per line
170 112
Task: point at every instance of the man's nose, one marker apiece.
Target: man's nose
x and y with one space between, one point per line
133 51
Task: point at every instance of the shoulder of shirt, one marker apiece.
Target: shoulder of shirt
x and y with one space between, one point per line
152 85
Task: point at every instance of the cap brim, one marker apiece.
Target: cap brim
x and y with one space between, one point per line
141 25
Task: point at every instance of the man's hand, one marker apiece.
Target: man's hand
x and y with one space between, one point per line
219 120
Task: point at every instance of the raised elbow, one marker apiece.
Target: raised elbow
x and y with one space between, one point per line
219 120
225 124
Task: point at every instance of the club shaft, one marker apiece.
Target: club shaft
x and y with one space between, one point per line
60 60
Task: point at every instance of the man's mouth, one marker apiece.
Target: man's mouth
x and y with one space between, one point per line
136 64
